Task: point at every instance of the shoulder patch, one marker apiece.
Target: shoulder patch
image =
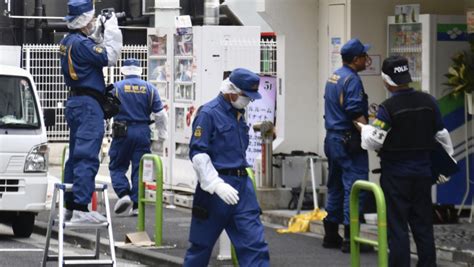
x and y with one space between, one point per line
62 49
98 49
334 78
198 132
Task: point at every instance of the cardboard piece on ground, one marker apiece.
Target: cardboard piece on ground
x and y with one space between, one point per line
138 239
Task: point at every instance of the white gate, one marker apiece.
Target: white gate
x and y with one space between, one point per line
42 61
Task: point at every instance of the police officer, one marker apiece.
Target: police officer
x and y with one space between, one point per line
345 101
224 197
131 133
405 129
82 60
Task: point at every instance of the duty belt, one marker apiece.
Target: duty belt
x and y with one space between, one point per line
136 122
79 91
233 172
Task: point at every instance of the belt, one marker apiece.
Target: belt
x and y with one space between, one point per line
135 122
343 132
87 91
233 172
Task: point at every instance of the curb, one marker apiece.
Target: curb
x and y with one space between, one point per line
143 256
444 253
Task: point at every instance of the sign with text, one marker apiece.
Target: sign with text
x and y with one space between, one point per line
147 174
258 111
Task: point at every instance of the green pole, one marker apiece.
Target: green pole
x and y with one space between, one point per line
63 159
251 175
381 223
158 167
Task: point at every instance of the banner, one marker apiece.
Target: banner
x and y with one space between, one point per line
258 111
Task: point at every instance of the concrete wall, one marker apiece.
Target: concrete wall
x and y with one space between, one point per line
295 24
246 11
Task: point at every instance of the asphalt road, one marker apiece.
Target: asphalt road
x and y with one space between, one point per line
29 251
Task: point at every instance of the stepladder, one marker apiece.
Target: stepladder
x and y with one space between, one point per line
318 187
57 220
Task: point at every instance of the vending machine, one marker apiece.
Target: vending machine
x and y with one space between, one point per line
187 68
429 45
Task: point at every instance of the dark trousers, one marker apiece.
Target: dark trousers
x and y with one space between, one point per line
408 202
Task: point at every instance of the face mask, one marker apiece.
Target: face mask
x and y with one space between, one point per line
241 102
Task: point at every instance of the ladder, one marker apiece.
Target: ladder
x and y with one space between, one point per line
54 220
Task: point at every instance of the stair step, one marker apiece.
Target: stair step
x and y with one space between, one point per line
88 262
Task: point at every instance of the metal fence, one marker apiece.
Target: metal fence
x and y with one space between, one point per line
42 61
268 57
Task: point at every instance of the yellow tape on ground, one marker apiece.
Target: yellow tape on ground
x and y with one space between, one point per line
300 223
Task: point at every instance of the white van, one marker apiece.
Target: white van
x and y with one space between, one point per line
23 151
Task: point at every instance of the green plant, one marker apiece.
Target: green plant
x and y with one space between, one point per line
461 72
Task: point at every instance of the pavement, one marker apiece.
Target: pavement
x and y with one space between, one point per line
16 251
455 243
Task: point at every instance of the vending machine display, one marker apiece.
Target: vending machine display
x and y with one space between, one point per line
406 40
429 44
188 69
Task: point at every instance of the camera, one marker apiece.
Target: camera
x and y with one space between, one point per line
107 13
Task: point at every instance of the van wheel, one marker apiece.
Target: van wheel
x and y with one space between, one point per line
23 224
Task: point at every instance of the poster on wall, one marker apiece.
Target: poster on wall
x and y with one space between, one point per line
335 53
258 111
373 68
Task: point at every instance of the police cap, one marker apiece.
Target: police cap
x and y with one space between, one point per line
247 81
353 48
76 8
396 67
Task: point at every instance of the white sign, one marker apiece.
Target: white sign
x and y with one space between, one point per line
258 111
147 174
374 68
335 54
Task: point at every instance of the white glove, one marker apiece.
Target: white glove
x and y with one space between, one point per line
227 193
445 140
161 123
112 39
98 35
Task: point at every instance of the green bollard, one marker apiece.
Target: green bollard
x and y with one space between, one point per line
251 175
158 167
63 159
356 240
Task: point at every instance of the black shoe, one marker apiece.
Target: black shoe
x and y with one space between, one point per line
331 239
332 242
346 247
346 243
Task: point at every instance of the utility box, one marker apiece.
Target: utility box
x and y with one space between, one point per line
291 168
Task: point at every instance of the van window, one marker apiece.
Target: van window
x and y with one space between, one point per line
17 103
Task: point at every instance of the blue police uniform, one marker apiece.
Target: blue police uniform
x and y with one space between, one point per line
220 131
345 100
82 61
406 181
138 100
